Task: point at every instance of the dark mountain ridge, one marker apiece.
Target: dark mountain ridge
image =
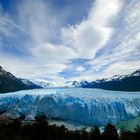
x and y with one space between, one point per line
10 83
130 82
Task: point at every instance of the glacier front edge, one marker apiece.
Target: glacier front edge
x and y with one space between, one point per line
86 106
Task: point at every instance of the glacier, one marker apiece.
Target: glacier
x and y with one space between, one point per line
86 106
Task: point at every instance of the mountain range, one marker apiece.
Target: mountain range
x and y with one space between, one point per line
10 83
130 82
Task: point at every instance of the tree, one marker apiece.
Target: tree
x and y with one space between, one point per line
41 119
16 125
137 131
110 132
95 133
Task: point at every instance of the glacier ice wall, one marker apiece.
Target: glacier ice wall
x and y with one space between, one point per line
87 106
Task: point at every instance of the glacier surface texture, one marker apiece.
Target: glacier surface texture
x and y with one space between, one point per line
86 106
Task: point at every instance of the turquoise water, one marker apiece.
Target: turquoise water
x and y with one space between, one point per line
129 124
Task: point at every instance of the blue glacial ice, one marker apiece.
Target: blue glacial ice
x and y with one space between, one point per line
86 106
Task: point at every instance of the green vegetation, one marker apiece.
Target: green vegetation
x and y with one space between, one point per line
41 130
129 124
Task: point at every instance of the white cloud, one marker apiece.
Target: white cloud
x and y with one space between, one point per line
28 69
7 25
80 68
53 54
39 20
121 67
92 34
108 26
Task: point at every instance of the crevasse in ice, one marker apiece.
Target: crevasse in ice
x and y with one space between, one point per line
87 106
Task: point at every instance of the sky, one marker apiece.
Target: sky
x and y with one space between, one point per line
66 40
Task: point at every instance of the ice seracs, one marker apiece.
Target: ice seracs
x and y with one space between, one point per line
87 106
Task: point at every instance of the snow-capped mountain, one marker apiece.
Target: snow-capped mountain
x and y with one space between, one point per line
96 106
136 73
42 83
48 84
6 74
130 82
9 82
29 83
75 84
